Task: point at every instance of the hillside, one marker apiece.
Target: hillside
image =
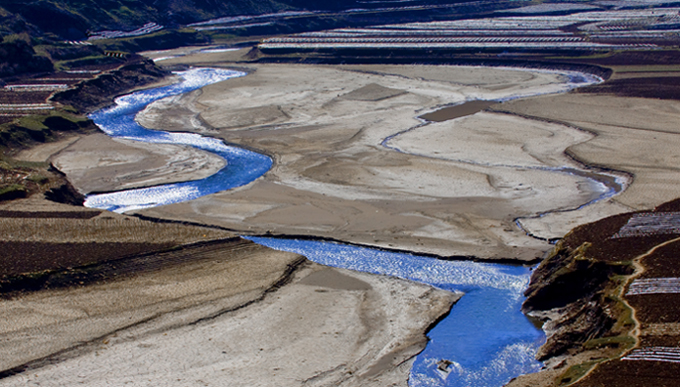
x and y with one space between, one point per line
608 294
68 19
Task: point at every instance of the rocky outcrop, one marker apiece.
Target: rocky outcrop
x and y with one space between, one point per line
95 93
65 192
575 295
578 291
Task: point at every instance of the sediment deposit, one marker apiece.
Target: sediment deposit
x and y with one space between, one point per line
334 177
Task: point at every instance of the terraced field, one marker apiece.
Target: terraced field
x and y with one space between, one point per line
587 27
647 333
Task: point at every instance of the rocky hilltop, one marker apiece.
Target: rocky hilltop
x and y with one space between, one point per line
608 296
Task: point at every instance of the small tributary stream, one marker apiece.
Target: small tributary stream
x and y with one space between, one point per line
484 341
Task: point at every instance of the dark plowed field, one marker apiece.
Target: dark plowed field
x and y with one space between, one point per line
624 373
609 249
664 262
114 261
655 361
29 257
14 97
49 214
656 308
644 87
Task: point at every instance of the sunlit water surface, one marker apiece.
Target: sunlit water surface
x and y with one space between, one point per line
243 166
486 338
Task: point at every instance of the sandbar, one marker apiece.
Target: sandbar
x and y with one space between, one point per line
99 163
336 176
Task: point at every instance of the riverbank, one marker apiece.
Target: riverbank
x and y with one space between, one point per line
122 283
94 276
608 296
330 163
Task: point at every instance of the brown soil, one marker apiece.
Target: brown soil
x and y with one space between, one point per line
644 87
14 97
606 249
656 308
27 257
629 58
462 110
49 215
619 373
665 262
659 308
672 206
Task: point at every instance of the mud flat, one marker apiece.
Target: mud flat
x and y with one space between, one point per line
443 188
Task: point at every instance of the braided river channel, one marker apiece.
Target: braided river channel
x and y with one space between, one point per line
484 341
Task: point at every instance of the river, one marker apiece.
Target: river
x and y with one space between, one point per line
484 341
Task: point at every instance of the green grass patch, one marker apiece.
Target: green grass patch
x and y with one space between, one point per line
8 163
576 372
618 342
38 178
25 131
12 191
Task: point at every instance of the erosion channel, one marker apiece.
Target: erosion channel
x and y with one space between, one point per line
485 340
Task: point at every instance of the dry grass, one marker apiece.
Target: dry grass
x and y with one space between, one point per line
103 229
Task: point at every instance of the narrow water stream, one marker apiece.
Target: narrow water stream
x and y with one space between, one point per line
603 184
484 341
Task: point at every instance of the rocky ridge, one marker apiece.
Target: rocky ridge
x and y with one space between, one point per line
582 292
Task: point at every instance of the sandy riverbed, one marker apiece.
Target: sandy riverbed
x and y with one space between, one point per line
454 189
98 163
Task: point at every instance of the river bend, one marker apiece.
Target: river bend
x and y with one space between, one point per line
484 341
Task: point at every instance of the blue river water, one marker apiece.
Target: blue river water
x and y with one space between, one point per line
243 166
486 337
485 340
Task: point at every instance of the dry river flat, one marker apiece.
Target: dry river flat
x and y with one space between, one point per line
454 187
216 310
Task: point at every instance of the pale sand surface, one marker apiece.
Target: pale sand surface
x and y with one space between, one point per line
457 194
196 323
98 163
635 135
42 152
